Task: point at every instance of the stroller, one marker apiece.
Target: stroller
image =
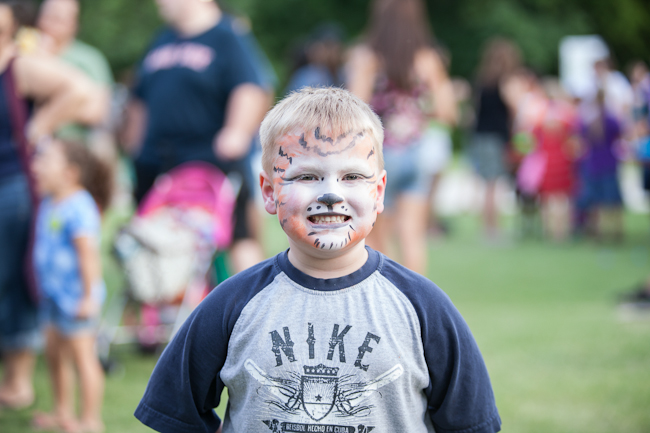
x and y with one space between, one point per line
167 251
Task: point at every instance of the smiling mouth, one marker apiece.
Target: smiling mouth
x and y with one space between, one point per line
328 219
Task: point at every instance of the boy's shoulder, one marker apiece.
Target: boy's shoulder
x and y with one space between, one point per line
435 311
256 278
234 293
417 288
249 281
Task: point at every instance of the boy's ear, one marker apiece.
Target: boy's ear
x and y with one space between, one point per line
381 191
268 193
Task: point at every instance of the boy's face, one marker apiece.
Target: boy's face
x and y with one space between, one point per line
327 191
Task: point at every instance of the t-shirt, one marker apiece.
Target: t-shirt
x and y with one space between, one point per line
382 349
403 112
55 255
492 113
94 65
185 84
600 157
89 60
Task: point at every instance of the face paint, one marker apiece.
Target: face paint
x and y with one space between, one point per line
327 191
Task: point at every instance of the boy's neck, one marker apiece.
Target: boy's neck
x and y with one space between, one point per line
332 267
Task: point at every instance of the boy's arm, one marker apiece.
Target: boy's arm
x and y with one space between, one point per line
185 386
459 395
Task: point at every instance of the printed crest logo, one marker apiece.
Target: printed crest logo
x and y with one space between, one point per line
319 389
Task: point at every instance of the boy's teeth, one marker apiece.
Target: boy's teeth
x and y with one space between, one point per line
329 219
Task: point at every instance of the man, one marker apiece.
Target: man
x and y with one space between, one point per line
200 94
58 21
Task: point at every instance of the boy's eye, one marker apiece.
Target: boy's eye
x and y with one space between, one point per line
352 177
307 177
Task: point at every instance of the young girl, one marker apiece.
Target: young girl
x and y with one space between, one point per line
599 202
75 187
555 138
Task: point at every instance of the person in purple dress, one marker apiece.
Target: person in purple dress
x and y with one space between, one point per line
599 201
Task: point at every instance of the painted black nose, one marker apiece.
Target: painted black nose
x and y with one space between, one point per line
330 199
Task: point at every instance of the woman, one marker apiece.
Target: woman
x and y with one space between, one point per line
500 60
403 78
60 95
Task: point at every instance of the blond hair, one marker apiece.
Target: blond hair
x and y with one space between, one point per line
331 109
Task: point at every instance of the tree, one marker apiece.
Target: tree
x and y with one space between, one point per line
123 28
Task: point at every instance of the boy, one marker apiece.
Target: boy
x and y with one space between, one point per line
329 336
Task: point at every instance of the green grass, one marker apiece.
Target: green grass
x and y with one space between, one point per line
562 356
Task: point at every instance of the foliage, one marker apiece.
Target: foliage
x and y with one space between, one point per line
123 28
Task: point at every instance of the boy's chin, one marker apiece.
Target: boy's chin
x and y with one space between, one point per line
331 243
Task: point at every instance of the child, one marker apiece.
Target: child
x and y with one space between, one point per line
556 144
329 335
73 185
598 199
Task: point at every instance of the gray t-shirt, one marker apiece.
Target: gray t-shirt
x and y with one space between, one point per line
382 349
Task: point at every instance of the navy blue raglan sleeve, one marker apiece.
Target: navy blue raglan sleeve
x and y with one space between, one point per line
185 386
460 396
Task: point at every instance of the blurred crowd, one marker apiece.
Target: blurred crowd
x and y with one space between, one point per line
74 144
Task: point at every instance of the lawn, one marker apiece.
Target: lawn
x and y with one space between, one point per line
563 357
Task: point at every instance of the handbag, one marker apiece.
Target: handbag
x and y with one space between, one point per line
531 172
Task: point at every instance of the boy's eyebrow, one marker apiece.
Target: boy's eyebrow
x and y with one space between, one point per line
297 165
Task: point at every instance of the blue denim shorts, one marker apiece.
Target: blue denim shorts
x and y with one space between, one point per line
53 315
487 153
405 174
